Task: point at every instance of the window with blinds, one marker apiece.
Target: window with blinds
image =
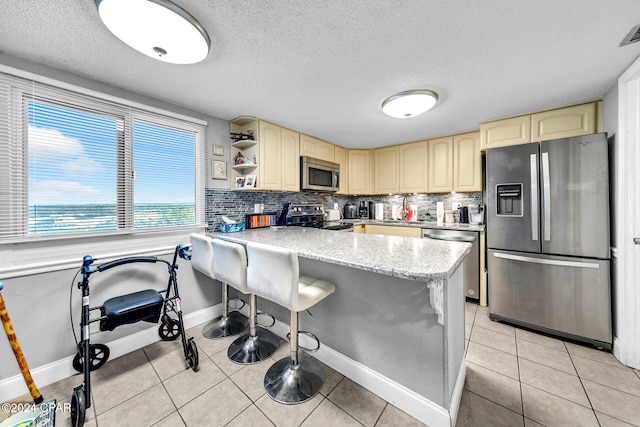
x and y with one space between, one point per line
71 163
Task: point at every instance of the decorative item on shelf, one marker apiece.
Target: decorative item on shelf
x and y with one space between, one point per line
218 150
219 169
240 182
241 136
260 220
250 181
250 160
239 159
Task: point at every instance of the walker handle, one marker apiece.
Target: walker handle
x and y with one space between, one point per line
128 260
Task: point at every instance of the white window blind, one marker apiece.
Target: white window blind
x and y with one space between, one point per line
74 164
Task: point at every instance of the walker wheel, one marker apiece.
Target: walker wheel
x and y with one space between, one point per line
99 354
169 330
192 354
78 407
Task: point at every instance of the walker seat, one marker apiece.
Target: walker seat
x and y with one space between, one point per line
131 308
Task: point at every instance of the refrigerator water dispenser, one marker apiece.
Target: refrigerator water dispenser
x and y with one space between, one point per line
509 198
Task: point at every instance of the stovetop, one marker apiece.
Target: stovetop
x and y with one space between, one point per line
312 215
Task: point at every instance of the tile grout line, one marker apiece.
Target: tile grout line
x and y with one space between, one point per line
519 379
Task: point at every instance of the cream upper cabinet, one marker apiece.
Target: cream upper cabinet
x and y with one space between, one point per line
360 171
340 157
501 133
386 170
314 147
414 169
271 157
577 120
467 163
290 160
564 122
441 165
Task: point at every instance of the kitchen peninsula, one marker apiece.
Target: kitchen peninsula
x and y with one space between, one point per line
396 321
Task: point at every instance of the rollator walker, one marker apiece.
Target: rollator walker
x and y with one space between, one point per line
148 305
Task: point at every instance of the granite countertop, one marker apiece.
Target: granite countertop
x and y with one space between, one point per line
419 224
423 260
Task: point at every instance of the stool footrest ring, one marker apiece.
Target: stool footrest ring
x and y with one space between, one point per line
229 308
264 313
310 335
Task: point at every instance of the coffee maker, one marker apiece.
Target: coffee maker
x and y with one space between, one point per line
363 210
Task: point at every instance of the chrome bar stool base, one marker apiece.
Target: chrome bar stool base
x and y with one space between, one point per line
289 384
248 349
222 327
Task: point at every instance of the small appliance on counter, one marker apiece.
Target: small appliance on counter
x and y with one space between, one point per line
371 209
363 210
332 214
350 211
464 214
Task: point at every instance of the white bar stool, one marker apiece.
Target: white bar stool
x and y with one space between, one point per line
202 259
273 274
230 266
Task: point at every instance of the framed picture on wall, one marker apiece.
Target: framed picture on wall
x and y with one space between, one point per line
219 169
218 150
250 181
240 182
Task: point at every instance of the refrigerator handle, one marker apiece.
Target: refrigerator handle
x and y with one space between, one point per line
547 261
546 196
534 196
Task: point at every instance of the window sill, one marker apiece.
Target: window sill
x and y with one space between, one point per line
46 255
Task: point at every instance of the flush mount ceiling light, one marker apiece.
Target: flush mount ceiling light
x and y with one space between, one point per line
157 28
409 103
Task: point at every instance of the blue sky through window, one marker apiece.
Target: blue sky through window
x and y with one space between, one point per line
73 171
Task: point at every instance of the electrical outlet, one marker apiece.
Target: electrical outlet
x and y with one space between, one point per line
455 205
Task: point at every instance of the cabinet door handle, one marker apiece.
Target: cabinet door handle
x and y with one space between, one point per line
636 240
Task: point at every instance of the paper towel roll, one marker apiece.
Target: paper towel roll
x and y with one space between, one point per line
379 211
440 211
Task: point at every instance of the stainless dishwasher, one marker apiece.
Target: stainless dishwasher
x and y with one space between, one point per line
471 261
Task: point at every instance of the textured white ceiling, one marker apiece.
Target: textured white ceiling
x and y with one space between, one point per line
324 67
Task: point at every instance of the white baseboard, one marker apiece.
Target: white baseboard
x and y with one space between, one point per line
15 386
398 395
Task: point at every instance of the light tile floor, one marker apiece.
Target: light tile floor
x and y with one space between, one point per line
514 378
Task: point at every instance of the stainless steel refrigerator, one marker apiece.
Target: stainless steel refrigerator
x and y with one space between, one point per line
548 257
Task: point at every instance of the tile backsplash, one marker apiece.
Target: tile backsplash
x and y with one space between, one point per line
235 204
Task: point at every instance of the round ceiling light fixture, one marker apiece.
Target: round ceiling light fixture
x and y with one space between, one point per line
409 103
157 28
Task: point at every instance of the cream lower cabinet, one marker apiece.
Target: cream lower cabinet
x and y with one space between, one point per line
360 171
314 147
386 170
390 230
440 165
414 168
340 157
467 163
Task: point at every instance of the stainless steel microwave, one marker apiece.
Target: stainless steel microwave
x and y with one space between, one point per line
319 175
